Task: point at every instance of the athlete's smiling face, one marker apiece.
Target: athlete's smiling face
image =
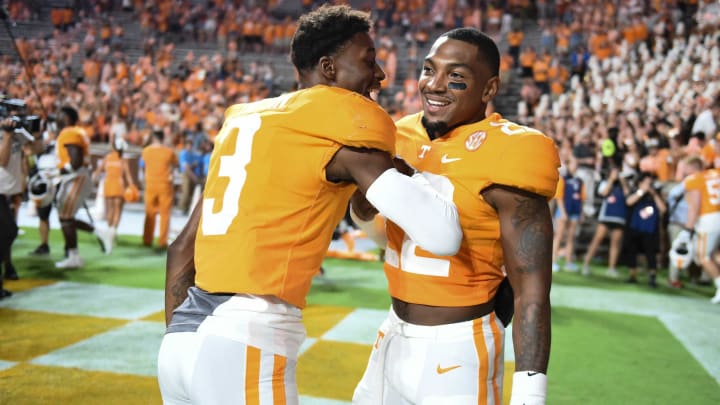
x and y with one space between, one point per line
455 85
354 66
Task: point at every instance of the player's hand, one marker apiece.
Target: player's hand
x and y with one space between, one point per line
403 167
361 207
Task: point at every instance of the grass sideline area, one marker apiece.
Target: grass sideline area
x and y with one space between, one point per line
597 357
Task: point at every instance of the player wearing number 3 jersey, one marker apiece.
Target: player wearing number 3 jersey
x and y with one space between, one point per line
281 174
442 342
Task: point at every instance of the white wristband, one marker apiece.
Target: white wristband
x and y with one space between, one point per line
528 388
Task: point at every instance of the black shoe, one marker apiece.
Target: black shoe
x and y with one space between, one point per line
631 280
652 282
11 273
4 293
41 250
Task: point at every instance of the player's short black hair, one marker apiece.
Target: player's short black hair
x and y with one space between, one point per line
323 32
71 114
489 53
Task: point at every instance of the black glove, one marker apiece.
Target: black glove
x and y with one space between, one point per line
505 302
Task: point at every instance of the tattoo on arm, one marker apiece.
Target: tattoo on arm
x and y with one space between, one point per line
534 247
180 266
531 337
528 250
180 287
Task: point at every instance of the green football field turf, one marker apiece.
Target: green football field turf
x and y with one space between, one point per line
597 357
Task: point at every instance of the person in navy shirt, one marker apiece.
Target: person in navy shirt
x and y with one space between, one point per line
646 208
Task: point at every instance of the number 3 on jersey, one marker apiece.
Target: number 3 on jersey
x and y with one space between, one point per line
428 266
232 166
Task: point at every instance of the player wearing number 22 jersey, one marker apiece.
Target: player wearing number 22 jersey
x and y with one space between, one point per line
462 164
411 363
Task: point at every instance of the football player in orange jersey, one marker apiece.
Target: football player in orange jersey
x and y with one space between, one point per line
281 175
73 151
444 337
702 226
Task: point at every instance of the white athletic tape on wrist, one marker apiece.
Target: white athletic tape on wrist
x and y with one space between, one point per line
528 388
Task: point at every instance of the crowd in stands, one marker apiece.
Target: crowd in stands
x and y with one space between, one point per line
636 73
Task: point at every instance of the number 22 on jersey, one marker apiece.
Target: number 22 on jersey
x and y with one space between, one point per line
243 129
428 266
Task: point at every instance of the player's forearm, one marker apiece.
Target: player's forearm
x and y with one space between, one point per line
531 334
179 277
180 267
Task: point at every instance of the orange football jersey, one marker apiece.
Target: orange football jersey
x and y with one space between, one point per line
71 136
461 165
268 210
708 183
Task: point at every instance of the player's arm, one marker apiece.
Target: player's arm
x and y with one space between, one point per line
76 157
429 219
526 234
180 267
362 211
693 199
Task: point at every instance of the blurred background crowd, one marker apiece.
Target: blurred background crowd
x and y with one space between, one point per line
628 89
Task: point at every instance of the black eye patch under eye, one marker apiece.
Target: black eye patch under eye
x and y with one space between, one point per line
457 86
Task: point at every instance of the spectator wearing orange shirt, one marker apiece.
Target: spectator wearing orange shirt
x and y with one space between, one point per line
515 39
158 162
540 73
527 59
507 63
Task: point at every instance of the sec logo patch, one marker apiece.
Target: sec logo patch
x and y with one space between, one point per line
474 140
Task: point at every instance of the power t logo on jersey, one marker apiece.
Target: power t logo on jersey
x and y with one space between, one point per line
511 155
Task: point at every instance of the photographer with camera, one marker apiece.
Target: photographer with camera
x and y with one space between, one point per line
646 207
73 152
12 139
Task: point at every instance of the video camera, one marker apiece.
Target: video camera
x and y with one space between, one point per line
16 110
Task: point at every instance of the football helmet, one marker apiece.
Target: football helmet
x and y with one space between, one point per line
681 251
41 188
131 194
